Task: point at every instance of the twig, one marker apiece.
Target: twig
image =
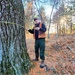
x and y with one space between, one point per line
70 49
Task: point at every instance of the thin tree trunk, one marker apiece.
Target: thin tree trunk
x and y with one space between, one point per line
50 20
14 59
71 28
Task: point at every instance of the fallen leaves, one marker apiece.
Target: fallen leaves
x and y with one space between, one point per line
59 59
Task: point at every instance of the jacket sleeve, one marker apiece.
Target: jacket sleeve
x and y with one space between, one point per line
31 31
43 28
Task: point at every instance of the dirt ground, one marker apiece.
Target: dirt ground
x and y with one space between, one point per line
59 54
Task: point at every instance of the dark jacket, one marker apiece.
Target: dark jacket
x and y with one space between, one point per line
42 29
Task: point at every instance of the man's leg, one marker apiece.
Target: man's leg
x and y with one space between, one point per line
36 50
42 49
42 52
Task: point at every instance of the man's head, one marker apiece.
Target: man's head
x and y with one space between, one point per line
37 20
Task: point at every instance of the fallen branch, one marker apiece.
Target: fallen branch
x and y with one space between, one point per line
70 49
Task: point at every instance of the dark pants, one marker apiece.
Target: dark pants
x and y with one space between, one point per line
40 48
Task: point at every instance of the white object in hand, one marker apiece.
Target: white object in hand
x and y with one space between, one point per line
37 28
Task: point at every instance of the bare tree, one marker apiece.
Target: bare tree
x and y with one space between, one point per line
14 59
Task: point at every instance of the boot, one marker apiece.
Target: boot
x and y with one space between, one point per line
42 65
36 59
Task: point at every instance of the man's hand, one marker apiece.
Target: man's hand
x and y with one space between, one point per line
37 28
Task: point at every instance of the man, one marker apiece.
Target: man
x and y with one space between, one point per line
38 32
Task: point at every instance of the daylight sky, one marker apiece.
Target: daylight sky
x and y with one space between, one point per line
47 7
48 10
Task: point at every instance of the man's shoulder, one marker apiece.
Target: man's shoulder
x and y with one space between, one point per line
43 24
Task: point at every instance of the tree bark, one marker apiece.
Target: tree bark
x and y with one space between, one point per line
14 59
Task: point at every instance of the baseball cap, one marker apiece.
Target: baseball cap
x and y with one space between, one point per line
36 19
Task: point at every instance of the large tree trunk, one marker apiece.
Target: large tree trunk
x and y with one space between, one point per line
14 59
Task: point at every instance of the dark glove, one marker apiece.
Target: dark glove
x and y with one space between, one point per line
29 30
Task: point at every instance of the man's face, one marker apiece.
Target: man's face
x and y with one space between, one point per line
37 21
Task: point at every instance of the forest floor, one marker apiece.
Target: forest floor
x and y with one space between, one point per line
59 56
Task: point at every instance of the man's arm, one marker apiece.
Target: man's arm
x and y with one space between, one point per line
31 31
43 28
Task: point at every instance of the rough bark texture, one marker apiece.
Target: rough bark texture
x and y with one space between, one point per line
14 59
